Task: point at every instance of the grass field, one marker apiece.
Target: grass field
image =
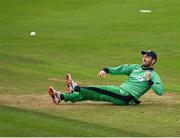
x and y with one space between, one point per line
82 37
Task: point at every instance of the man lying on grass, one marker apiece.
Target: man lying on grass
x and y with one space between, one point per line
140 79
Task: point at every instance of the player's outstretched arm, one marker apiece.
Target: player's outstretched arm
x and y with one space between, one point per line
125 69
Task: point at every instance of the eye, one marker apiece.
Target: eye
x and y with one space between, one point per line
148 56
145 56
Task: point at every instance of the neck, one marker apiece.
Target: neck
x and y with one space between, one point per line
147 67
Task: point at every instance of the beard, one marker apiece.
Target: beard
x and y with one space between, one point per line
146 65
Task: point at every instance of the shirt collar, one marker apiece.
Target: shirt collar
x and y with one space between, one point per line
147 68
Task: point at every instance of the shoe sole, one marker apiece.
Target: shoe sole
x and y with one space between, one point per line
68 83
51 93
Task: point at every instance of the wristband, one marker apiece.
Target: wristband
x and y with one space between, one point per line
150 82
106 70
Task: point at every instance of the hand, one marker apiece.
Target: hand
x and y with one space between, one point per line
102 74
148 75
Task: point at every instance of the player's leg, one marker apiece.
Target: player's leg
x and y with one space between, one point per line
58 96
85 94
95 93
107 93
73 97
98 93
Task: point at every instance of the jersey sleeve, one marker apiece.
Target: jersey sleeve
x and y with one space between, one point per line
157 86
125 69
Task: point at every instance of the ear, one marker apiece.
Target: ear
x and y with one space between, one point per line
153 61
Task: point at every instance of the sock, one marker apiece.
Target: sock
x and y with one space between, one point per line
77 88
62 96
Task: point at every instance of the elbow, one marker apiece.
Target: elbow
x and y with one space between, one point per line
159 91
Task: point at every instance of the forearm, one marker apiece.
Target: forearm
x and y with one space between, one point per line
106 70
112 71
157 87
120 70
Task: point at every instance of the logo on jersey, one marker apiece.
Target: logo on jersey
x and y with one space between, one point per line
139 78
136 70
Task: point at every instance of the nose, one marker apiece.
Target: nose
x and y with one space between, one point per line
144 60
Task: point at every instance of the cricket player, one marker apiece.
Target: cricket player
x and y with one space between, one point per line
141 78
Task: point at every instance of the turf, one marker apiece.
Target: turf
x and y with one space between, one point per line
82 37
47 125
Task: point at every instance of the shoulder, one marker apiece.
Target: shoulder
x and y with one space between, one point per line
132 67
135 66
155 74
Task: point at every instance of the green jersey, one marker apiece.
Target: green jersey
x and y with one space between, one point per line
137 85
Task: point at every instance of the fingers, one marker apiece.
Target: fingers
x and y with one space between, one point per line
147 72
102 74
148 75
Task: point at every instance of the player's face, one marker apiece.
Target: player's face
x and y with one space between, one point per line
148 61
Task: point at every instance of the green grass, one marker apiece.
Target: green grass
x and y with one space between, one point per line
82 37
41 124
90 120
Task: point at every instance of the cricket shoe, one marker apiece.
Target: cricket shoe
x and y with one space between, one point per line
70 84
55 95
